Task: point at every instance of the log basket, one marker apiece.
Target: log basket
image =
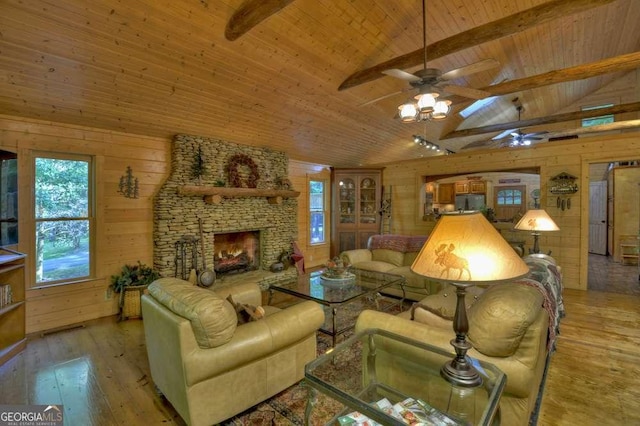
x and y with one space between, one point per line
130 302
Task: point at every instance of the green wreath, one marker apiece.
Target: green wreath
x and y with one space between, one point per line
234 177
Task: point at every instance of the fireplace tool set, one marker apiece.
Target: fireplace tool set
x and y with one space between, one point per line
186 257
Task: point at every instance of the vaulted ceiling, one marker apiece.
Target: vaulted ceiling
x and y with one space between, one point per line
161 67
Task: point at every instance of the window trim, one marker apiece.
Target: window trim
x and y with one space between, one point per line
91 218
325 212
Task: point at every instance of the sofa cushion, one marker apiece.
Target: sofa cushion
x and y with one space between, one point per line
444 302
375 266
500 318
409 257
212 318
396 258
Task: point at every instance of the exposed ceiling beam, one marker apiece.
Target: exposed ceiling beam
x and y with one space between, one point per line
558 118
250 14
601 128
484 33
625 62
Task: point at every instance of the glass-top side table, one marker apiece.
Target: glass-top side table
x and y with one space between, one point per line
336 294
376 364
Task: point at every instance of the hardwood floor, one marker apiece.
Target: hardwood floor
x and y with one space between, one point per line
101 375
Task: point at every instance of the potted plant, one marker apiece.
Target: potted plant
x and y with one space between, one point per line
130 283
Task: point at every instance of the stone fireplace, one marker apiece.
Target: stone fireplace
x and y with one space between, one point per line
263 229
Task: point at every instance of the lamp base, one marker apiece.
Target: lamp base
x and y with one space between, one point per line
460 374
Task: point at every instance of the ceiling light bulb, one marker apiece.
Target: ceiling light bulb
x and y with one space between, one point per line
426 101
441 109
408 112
526 142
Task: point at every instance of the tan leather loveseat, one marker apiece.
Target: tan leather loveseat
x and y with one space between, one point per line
393 254
207 365
511 325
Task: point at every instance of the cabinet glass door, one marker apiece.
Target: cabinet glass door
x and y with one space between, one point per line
368 208
347 201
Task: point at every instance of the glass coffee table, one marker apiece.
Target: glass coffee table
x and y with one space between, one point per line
337 294
374 370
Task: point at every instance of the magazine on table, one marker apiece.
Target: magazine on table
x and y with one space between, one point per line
410 411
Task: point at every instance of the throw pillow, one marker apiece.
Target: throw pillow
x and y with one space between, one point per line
246 312
500 318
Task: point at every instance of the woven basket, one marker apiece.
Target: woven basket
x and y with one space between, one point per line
130 302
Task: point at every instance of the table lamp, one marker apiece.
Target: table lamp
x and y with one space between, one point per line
464 249
536 220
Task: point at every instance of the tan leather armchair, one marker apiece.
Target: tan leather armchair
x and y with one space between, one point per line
209 367
508 327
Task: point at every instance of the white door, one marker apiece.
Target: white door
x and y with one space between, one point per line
598 217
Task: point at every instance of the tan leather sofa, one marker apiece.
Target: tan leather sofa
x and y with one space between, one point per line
512 326
394 254
211 368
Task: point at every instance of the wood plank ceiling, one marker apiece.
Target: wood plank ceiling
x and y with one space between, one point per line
161 67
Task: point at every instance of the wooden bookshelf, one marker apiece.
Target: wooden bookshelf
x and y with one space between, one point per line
12 315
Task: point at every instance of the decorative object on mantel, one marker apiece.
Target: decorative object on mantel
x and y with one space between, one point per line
536 220
198 168
213 194
235 180
283 183
128 185
563 185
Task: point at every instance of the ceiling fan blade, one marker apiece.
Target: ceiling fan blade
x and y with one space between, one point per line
467 92
479 66
536 134
402 75
515 134
388 95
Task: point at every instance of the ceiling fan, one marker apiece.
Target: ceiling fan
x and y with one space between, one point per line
430 84
519 138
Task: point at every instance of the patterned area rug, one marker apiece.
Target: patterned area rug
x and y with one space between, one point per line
288 407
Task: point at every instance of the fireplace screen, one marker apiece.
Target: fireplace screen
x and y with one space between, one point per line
236 252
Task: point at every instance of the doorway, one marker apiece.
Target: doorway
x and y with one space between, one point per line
608 220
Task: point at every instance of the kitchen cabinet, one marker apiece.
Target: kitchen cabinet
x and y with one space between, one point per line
446 193
477 186
12 304
462 187
357 195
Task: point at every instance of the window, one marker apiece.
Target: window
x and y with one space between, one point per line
509 197
595 121
317 211
8 198
510 201
63 216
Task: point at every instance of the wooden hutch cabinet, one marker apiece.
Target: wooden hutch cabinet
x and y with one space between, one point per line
356 200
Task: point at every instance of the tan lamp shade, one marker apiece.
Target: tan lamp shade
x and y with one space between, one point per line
536 220
466 248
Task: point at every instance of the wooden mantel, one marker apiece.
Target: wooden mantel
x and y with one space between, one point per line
214 194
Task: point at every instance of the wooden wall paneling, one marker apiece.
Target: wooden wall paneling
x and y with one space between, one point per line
123 226
568 244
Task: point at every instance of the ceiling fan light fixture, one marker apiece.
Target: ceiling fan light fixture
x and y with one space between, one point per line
408 112
426 101
441 109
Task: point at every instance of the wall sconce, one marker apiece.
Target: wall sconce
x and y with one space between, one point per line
128 185
563 185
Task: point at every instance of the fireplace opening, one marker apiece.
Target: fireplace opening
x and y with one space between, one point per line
236 252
